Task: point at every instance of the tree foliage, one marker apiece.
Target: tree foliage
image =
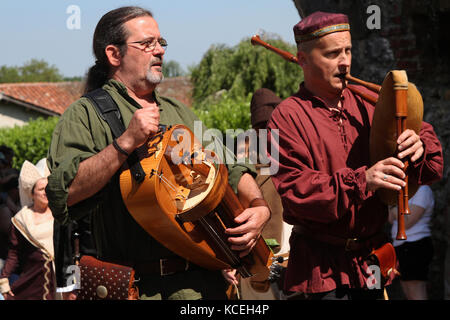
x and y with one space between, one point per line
32 71
29 142
243 69
172 69
227 113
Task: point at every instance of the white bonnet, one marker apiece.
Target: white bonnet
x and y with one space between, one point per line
29 175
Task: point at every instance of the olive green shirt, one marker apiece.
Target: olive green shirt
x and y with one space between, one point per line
82 133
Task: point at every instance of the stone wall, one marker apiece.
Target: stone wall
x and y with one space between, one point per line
414 36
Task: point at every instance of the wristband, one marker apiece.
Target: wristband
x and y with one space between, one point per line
118 148
258 202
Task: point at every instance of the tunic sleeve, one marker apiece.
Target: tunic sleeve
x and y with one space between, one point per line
430 167
307 190
72 142
12 261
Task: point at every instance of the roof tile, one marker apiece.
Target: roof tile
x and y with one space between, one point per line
53 96
57 96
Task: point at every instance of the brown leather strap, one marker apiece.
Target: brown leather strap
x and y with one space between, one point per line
350 244
162 267
258 202
119 148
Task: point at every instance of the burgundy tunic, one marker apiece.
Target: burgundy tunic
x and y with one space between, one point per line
36 276
323 156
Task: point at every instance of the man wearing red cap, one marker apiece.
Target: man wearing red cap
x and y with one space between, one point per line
324 179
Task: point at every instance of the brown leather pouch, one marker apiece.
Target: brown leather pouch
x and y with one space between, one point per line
106 281
385 258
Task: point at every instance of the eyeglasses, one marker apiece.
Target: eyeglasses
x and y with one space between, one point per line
150 44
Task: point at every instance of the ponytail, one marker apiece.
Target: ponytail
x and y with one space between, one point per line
96 77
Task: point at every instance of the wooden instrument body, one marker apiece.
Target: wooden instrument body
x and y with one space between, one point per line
174 212
383 134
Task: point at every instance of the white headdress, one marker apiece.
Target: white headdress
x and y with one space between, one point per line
29 175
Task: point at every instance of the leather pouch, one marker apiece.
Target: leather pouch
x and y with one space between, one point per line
106 281
386 258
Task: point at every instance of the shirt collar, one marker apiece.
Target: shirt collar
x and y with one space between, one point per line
122 89
119 86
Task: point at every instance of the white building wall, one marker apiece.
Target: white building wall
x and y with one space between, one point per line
12 115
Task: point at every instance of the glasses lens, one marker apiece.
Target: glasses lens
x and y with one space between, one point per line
163 43
150 45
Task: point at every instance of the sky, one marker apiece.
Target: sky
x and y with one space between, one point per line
50 30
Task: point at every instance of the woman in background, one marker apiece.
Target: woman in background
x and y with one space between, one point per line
31 250
416 252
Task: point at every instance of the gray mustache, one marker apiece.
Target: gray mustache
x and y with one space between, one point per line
158 61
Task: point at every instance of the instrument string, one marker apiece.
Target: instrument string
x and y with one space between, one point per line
166 181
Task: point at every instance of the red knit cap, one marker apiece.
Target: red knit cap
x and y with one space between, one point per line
318 24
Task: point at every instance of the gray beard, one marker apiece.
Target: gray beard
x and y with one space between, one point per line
154 78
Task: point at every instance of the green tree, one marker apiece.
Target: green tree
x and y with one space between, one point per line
74 78
227 113
32 71
29 142
172 69
243 69
9 74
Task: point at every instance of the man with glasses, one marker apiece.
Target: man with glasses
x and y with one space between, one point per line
85 162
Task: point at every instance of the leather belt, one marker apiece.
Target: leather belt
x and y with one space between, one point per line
161 267
349 244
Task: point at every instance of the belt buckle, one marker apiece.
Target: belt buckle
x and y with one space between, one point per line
161 268
350 242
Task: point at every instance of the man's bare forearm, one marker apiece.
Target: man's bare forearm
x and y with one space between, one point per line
94 173
248 189
251 221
